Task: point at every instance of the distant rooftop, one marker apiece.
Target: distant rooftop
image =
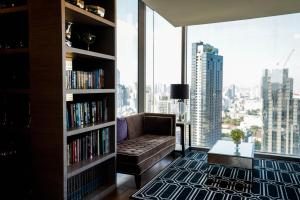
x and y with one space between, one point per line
202 47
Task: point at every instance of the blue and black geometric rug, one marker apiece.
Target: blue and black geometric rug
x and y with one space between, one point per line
186 179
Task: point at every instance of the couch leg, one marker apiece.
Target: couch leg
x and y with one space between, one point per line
173 154
138 180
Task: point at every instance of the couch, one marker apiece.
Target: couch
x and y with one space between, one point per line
150 137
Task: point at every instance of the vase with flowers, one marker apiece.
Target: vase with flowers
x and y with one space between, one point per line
237 135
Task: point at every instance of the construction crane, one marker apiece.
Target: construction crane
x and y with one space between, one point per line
288 58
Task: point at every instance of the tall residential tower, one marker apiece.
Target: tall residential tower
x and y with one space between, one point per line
206 94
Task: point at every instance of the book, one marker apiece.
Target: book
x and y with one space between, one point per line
84 113
87 181
85 80
88 146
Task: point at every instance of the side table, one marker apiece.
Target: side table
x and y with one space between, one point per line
224 153
183 125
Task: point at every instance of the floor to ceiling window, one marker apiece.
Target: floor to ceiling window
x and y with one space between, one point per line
246 75
127 56
163 62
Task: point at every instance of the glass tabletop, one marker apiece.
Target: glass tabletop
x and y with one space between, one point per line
224 147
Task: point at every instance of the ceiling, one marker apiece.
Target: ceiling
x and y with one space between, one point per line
192 12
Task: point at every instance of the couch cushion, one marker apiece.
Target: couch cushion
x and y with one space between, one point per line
121 129
157 125
137 169
137 150
135 125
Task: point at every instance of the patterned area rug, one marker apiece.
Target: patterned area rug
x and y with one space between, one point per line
186 179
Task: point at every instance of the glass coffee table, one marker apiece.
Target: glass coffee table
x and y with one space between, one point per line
224 153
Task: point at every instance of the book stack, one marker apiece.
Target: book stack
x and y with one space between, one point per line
84 113
84 183
85 80
88 146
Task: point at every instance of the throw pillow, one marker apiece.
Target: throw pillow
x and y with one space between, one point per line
122 133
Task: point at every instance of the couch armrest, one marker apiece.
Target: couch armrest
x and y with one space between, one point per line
135 124
161 124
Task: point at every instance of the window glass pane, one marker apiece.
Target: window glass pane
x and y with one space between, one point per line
127 56
163 62
250 68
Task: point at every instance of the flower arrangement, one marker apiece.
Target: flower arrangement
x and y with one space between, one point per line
237 135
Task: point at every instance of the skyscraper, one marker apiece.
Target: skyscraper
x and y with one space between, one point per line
296 126
279 121
206 94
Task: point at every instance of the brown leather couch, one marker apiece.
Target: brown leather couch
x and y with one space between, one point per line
151 136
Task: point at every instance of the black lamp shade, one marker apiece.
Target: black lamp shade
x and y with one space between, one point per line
179 91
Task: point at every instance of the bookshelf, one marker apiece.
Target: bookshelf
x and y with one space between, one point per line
73 105
15 153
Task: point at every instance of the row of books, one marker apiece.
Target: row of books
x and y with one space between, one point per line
85 80
80 114
84 183
93 144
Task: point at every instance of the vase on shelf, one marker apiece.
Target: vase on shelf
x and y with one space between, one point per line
89 39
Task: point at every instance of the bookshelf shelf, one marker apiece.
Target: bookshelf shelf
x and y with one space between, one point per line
76 14
89 127
13 51
90 91
86 164
75 52
13 9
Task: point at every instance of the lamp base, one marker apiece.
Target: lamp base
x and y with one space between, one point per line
180 118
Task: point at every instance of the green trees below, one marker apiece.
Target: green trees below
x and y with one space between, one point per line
235 122
253 112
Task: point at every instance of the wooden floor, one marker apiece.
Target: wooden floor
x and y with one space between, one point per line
126 184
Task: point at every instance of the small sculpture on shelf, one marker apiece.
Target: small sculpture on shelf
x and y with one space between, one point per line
237 135
79 3
68 33
89 39
97 10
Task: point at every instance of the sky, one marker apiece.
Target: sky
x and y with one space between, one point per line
247 46
127 40
250 46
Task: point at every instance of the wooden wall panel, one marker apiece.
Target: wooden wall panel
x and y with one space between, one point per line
46 59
